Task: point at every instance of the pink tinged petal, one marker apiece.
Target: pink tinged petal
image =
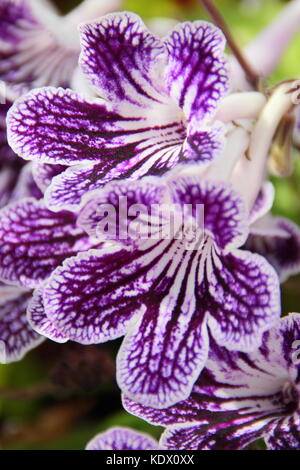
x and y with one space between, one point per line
16 335
244 299
93 296
38 320
123 60
196 73
33 50
224 211
121 438
278 240
34 241
263 203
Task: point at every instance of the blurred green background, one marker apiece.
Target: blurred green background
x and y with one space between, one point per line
59 396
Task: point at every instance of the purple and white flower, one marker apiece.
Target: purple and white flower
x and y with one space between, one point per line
239 398
39 47
121 438
157 107
164 296
33 242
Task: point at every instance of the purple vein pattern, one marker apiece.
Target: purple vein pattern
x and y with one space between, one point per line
158 99
239 398
166 293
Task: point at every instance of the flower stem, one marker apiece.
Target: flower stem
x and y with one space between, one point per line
251 75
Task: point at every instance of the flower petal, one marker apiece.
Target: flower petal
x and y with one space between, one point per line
93 296
237 398
16 335
38 319
243 301
25 186
279 243
122 205
197 73
285 436
235 436
123 60
121 438
32 52
263 203
43 174
161 357
33 241
224 211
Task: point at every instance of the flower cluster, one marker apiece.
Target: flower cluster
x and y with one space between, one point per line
145 212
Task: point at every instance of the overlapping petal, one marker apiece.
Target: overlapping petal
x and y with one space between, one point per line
38 319
16 335
121 438
278 240
34 241
238 398
163 291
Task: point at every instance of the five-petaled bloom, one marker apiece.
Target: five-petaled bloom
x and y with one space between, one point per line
167 294
239 398
157 107
120 438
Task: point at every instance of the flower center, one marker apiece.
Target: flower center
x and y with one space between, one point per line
290 397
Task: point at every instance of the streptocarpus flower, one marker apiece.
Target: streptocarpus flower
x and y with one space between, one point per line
158 106
239 398
121 438
165 293
39 47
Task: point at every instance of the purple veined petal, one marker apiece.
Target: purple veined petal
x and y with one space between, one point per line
36 49
114 212
204 145
238 397
244 299
123 60
25 186
224 211
196 73
93 296
236 436
43 174
164 353
34 241
53 125
263 203
38 320
278 240
121 438
286 435
16 335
